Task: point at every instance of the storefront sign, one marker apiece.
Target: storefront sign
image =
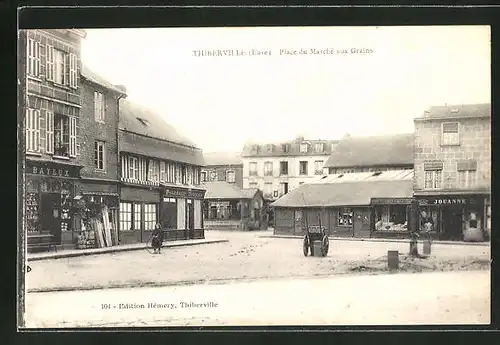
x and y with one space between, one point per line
184 193
391 201
448 201
52 169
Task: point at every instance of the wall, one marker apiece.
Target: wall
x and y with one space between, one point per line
94 130
220 173
293 178
475 143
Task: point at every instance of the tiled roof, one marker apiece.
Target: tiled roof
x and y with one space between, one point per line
222 158
88 74
372 151
356 189
138 119
224 190
457 111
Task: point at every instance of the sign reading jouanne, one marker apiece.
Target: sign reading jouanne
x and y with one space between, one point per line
184 193
448 201
52 169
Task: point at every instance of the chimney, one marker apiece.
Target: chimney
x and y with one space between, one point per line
299 138
122 88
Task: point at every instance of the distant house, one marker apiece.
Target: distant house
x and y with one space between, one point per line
227 206
223 166
160 178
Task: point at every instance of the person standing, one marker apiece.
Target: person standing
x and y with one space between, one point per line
157 238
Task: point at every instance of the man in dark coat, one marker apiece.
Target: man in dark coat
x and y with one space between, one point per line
157 239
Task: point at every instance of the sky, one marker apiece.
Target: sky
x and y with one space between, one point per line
220 102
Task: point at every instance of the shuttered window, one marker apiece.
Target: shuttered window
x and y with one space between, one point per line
33 48
49 55
49 133
72 137
73 76
33 130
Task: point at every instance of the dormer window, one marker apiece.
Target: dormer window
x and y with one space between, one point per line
303 148
285 148
319 147
270 148
255 148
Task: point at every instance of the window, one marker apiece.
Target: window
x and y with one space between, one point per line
98 106
33 57
32 130
137 216
391 218
203 176
125 216
149 216
450 134
268 169
318 167
183 174
153 170
253 185
433 179
196 175
133 168
169 211
253 169
345 217
303 168
319 147
61 135
59 67
190 175
283 168
285 148
49 133
332 171
303 147
231 176
163 174
270 148
283 188
100 155
467 178
268 189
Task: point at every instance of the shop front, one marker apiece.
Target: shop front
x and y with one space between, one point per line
390 217
50 192
139 210
455 217
181 215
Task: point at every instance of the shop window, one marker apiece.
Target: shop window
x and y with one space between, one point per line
100 155
149 216
450 134
32 130
252 169
303 167
231 176
391 218
203 176
169 213
32 214
428 214
283 168
345 217
125 216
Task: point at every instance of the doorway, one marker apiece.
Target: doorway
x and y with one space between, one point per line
451 223
190 218
51 214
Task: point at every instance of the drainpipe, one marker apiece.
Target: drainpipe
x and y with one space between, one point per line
119 168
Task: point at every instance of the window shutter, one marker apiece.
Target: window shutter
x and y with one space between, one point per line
49 133
36 54
29 138
66 69
42 121
73 71
96 108
72 137
36 122
49 56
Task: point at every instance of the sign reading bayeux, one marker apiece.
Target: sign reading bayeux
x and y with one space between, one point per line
52 169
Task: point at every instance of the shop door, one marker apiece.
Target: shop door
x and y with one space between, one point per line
190 219
361 223
51 215
452 223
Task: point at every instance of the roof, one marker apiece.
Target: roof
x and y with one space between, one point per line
457 111
138 119
97 79
357 189
222 158
224 190
386 150
273 149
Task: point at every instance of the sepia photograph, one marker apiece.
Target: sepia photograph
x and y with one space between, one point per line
255 176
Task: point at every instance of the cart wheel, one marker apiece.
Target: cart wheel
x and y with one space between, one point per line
325 244
306 245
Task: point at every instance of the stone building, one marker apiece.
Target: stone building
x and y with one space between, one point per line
160 178
453 169
223 166
277 168
50 107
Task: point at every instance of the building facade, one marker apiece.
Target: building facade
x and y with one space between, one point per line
277 168
453 170
50 108
223 166
160 178
98 155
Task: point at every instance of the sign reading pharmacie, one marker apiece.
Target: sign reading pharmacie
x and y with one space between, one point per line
183 193
52 169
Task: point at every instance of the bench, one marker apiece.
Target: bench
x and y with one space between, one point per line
41 241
